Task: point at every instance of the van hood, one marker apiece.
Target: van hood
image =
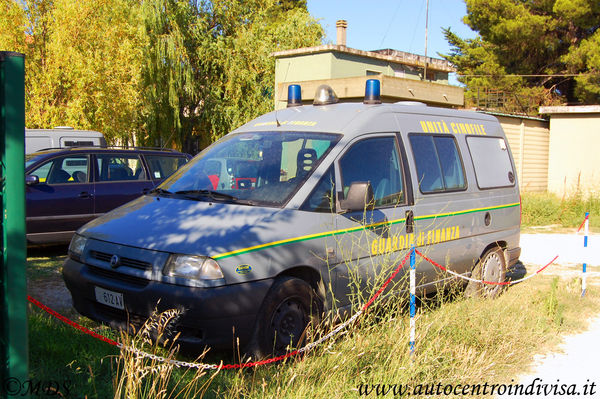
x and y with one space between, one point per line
180 225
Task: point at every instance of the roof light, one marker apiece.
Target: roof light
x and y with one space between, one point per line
294 96
325 95
372 92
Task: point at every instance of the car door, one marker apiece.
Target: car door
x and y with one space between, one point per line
119 178
62 200
370 243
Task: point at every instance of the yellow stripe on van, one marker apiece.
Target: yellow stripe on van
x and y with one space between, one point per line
352 230
306 238
489 208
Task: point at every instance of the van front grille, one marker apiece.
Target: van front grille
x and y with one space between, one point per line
136 264
116 276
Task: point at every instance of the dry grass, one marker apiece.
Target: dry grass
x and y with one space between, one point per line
459 340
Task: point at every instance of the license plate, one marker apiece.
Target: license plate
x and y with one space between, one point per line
110 298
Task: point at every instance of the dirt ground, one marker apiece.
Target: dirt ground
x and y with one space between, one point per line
47 286
51 291
574 367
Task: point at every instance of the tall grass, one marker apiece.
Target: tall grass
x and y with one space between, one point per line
542 209
459 340
466 341
140 376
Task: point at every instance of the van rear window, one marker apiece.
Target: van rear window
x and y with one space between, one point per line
491 161
439 166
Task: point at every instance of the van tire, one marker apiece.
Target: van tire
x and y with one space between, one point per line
491 267
290 305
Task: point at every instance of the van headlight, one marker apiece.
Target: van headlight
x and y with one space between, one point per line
193 267
77 246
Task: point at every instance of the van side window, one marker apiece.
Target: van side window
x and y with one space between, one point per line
486 151
376 160
322 198
439 166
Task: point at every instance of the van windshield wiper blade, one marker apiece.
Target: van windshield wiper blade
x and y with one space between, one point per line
212 194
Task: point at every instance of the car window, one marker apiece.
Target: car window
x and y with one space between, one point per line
375 160
439 166
60 170
322 198
162 166
119 167
486 151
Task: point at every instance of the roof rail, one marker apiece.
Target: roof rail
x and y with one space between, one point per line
109 147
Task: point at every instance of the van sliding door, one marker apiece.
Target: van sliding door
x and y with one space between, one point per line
443 216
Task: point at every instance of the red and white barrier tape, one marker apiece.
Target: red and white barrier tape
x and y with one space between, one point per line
483 281
587 215
307 348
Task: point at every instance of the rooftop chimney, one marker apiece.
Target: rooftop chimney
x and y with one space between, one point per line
341 26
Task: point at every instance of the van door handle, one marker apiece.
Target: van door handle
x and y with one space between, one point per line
410 222
85 194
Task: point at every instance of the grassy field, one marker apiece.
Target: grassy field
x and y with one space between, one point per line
543 209
459 340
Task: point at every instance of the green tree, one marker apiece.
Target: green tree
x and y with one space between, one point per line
178 73
541 37
83 62
211 68
170 72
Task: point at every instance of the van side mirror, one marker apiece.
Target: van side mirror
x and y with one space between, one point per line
32 180
359 198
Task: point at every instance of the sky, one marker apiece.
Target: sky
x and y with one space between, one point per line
395 24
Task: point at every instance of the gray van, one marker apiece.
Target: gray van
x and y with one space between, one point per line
61 137
341 192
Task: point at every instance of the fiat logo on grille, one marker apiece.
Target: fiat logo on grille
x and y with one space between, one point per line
114 261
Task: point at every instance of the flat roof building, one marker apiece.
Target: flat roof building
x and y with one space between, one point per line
346 70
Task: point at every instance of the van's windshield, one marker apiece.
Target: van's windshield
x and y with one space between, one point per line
259 167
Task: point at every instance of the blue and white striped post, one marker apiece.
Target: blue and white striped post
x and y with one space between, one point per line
412 301
585 244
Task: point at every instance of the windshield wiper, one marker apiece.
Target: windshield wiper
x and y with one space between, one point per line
160 191
194 194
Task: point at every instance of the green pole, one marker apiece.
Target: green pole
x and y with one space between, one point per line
15 362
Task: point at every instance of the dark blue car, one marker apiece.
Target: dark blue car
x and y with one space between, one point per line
68 187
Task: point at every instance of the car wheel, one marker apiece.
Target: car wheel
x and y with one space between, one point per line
285 313
491 267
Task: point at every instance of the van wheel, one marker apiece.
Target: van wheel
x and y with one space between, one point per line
491 267
286 311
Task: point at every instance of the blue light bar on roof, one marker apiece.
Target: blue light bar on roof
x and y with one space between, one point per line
294 96
372 92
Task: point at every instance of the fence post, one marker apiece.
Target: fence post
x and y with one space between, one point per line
14 350
412 301
585 244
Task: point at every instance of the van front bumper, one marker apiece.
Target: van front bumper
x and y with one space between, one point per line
211 317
